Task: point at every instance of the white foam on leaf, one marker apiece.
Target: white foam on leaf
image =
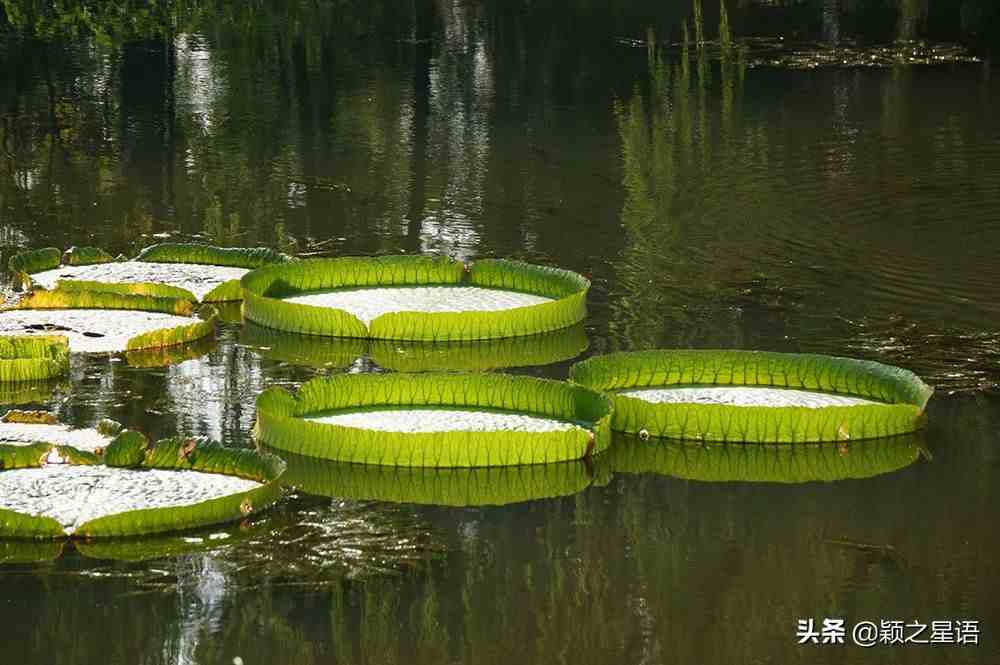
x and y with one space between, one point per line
197 278
370 303
89 330
743 396
74 495
413 420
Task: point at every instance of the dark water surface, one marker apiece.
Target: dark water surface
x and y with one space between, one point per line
812 188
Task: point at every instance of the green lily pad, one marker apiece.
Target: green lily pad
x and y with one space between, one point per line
414 298
436 420
22 433
755 396
95 321
186 270
49 491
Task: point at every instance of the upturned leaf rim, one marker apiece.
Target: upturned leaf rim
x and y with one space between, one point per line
899 396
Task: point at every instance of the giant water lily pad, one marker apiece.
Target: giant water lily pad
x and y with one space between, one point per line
108 322
490 486
765 463
198 280
15 431
437 420
753 396
414 298
194 270
410 356
129 487
74 496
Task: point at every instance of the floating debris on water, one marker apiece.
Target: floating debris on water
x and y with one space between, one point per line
805 55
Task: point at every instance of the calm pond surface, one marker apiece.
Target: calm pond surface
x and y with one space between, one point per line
815 187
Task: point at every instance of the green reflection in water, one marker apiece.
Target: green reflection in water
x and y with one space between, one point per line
29 392
171 355
494 486
404 356
764 463
29 551
668 137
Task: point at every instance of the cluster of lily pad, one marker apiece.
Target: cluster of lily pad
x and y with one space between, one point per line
413 314
110 482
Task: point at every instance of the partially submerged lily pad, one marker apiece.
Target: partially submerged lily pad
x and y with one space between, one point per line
28 433
74 496
106 322
765 463
491 486
199 280
410 356
202 272
753 396
414 298
50 491
450 420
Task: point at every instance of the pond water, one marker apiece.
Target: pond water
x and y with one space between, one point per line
814 186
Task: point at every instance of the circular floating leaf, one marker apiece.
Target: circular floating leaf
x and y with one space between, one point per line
765 463
106 322
180 270
755 396
472 416
414 298
177 280
491 486
175 485
16 432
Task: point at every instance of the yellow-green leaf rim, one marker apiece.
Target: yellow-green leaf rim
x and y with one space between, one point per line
168 454
265 289
899 395
281 422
